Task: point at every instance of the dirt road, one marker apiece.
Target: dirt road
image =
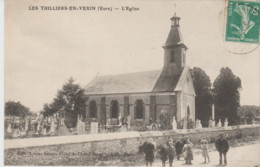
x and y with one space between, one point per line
243 156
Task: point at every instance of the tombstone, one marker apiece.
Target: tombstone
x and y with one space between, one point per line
128 122
226 123
123 129
174 124
219 124
63 130
94 127
198 124
52 128
26 125
44 130
213 123
80 127
185 123
119 120
16 133
9 127
108 122
210 123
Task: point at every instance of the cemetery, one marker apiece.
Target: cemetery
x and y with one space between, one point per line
109 144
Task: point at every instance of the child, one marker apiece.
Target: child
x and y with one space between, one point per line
187 149
205 152
171 152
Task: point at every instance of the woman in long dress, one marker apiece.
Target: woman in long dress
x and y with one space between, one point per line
204 148
187 149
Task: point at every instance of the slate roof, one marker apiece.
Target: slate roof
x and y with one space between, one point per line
123 83
174 37
139 82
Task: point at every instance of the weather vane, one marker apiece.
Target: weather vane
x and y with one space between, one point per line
174 9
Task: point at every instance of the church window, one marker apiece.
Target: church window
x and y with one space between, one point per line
139 109
184 58
172 59
188 112
114 109
92 109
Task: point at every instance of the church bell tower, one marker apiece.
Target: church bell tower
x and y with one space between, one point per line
174 50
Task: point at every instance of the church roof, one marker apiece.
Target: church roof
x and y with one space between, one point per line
139 82
174 37
123 83
183 78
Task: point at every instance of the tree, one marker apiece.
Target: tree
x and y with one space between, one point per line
16 109
69 98
248 113
203 99
227 96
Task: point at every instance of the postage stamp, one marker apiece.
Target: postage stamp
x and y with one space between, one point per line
243 21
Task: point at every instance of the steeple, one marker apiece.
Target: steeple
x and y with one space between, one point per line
175 37
175 20
174 49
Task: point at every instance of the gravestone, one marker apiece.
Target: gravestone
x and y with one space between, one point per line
123 129
185 123
108 122
219 124
94 127
226 123
63 130
128 122
26 125
213 123
174 124
119 120
198 124
80 127
52 128
210 123
9 127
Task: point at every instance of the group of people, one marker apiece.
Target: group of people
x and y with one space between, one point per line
169 150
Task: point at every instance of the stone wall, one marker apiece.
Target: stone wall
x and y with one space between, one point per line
118 143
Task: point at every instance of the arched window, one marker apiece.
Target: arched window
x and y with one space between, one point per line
139 109
184 58
114 109
92 109
172 58
188 112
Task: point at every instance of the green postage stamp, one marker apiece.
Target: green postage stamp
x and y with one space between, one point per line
243 21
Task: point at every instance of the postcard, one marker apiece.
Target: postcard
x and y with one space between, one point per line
131 83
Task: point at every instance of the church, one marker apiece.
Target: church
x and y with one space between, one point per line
143 95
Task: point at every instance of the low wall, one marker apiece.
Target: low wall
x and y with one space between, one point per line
116 143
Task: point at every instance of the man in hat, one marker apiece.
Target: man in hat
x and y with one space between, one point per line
148 147
222 147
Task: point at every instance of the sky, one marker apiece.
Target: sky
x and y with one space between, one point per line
44 48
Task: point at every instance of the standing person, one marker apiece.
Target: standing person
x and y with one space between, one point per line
178 148
222 147
148 148
205 151
171 152
187 149
164 153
